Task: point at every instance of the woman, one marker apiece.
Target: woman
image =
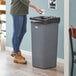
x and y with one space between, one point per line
19 11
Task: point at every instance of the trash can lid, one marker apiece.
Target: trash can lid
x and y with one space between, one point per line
45 19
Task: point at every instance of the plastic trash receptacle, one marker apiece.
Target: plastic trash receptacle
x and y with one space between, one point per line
44 32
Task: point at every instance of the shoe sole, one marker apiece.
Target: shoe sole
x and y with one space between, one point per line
20 62
12 55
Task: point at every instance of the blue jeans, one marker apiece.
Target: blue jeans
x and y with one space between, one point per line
19 29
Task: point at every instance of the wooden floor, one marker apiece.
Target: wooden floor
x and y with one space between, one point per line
8 68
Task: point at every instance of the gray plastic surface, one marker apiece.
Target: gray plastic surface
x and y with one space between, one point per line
44 44
45 19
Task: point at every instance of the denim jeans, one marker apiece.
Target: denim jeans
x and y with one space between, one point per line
19 29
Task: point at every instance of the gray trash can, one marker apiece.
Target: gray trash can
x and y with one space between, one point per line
44 31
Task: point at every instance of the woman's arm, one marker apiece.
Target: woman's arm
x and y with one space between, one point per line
38 9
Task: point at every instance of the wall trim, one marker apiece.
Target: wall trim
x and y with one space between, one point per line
60 61
66 38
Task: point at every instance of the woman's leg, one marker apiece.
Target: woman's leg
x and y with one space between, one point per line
18 22
23 31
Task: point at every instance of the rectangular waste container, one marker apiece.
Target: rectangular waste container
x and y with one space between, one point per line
44 32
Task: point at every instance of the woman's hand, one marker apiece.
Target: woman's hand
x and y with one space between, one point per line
39 10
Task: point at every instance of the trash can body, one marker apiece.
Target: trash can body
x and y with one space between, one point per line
44 44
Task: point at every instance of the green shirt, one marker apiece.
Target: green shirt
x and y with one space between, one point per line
19 7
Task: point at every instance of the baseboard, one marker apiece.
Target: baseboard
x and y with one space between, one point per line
60 61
